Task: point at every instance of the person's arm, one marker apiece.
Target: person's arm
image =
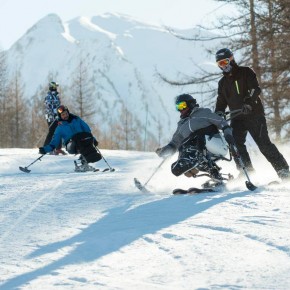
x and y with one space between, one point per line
253 88
221 102
55 141
171 147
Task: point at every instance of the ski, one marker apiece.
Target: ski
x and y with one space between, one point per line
96 170
139 185
192 190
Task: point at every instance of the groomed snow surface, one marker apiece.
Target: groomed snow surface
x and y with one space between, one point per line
66 230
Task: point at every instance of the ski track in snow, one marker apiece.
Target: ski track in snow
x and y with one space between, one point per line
65 230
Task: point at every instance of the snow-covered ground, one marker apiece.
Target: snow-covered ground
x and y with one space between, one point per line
66 230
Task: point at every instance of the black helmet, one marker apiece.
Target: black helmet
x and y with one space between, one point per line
223 53
53 86
61 109
190 101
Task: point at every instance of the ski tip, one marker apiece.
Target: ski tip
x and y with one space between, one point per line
140 186
24 169
251 186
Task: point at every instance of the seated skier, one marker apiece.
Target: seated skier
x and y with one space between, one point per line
189 138
77 137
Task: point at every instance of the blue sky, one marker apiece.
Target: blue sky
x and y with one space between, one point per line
17 16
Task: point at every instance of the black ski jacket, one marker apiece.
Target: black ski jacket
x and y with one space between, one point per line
239 88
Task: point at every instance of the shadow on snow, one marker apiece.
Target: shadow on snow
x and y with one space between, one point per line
119 228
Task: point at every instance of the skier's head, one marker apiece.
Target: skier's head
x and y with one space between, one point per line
225 60
184 104
63 113
53 86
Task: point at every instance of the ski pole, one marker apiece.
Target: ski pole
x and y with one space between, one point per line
155 171
98 150
142 187
237 156
25 169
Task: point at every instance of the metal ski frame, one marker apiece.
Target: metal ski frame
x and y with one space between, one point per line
25 169
234 113
139 185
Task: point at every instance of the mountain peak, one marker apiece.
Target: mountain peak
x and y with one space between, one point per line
118 23
51 21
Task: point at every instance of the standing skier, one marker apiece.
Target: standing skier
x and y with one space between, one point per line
51 102
189 138
76 136
239 89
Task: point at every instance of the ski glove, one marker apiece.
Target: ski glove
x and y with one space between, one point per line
165 151
41 151
246 109
228 133
96 143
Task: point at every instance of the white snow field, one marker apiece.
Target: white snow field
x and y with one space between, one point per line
66 230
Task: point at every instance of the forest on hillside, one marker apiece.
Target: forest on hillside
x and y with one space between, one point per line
259 32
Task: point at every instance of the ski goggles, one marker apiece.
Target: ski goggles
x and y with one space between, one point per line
181 106
61 109
223 62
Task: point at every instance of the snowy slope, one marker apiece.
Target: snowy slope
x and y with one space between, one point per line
65 230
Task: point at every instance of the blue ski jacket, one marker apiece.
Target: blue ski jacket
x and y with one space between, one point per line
66 130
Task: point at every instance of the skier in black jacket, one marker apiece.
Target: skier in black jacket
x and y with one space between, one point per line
239 89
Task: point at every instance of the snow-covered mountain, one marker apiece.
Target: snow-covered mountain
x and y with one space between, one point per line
71 231
122 56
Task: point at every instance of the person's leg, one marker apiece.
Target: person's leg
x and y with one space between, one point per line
71 147
189 158
240 133
259 132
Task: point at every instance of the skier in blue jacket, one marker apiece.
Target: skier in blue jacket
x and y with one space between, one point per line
76 135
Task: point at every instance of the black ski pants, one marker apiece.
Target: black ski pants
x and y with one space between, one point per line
257 127
51 128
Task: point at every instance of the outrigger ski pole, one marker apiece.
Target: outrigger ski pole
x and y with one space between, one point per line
237 156
142 187
107 169
25 169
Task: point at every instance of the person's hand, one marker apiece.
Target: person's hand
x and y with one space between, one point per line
41 151
165 151
246 109
228 134
96 143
